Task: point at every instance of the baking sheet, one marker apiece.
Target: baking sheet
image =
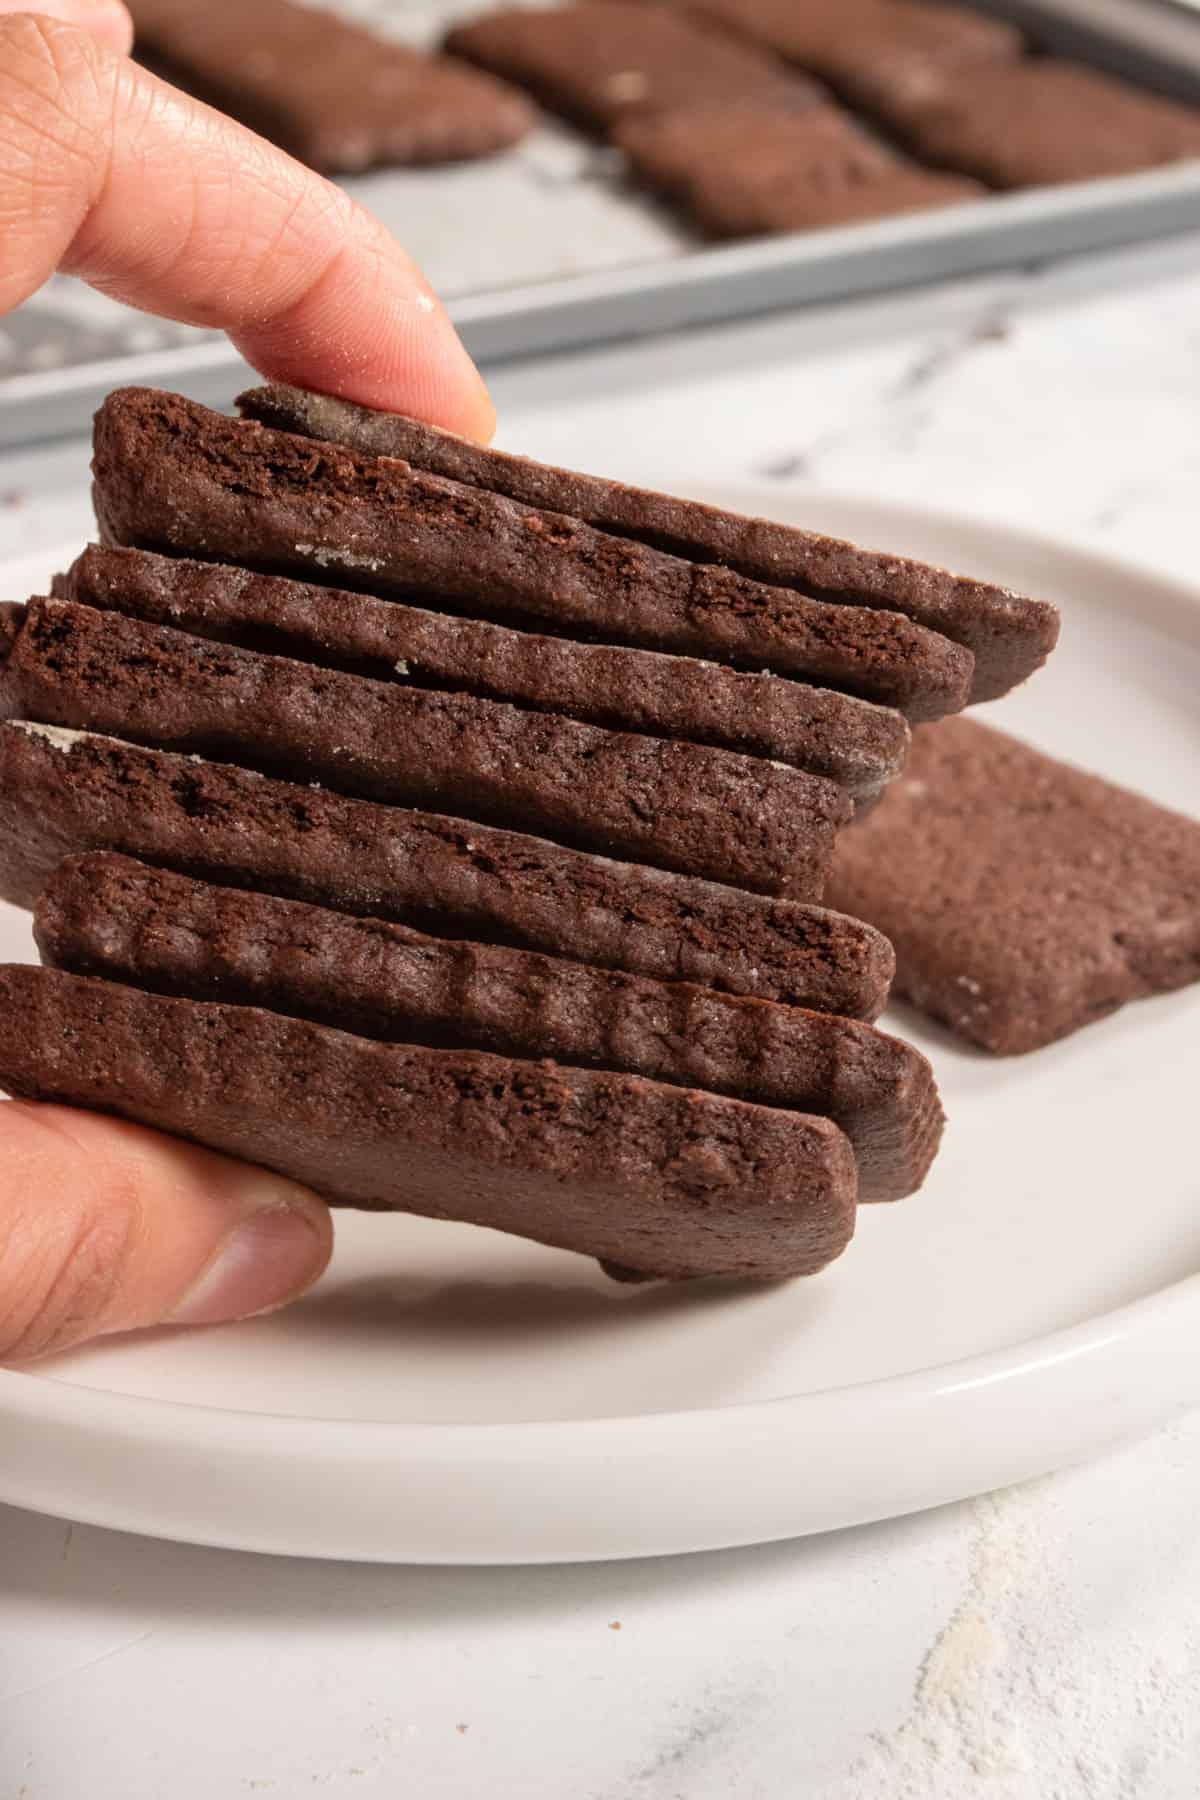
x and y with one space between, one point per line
548 246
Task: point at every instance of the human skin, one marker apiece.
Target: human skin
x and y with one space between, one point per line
108 174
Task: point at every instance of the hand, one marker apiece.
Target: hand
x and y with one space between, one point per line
110 175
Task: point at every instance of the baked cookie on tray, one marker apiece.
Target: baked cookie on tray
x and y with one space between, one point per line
862 46
1040 121
331 93
610 60
741 172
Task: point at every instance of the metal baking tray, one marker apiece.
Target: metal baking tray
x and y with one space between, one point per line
548 247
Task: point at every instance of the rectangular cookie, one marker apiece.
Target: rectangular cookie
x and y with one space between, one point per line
172 476
859 746
323 88
870 48
672 804
1039 122
611 60
1009 635
740 173
108 916
657 1179
63 792
1024 898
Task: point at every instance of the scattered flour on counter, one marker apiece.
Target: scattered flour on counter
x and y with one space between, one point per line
1017 1699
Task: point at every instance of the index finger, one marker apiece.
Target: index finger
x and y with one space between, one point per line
109 174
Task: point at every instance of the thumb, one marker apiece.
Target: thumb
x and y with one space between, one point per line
106 20
106 1227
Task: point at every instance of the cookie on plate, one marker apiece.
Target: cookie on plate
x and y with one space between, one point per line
1025 899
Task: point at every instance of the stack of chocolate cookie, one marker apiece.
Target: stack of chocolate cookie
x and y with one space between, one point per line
449 832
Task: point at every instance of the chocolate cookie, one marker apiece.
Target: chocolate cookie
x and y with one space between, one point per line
170 475
1038 122
64 791
672 804
741 173
612 60
330 966
108 916
864 48
1008 635
666 1181
857 745
331 93
1024 898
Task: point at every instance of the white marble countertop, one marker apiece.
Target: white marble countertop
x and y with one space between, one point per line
1039 1645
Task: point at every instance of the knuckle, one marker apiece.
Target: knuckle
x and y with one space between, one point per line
58 94
310 214
32 49
58 1286
52 82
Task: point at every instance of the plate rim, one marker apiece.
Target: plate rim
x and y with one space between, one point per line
961 1375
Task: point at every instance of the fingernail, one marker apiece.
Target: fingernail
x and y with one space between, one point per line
107 20
269 1259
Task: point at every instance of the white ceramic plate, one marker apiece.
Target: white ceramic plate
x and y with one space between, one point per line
449 1395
